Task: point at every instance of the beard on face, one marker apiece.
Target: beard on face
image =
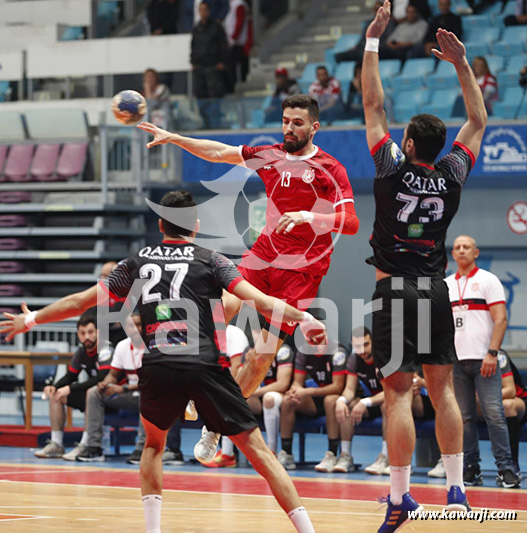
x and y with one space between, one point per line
294 146
89 345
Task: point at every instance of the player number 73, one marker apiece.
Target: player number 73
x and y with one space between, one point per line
434 205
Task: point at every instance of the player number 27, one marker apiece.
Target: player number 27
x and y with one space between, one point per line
154 274
434 205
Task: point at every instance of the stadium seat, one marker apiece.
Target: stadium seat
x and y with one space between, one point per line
413 74
345 71
3 156
10 290
387 69
509 77
509 104
12 221
496 63
510 8
18 161
476 21
44 161
441 104
406 104
12 244
345 42
15 197
444 77
72 160
12 267
475 49
522 111
513 42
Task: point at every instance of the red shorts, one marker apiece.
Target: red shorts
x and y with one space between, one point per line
287 285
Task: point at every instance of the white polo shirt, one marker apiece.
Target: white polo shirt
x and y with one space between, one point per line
237 342
472 296
128 359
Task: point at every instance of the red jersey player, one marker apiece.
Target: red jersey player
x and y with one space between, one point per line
309 196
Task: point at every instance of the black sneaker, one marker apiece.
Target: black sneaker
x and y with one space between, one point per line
508 479
175 458
91 454
472 476
135 457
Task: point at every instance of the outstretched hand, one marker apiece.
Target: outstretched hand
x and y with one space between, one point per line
452 49
160 136
380 22
15 323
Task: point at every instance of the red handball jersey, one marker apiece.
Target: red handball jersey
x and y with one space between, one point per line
314 182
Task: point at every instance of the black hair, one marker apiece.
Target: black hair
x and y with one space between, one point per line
361 331
186 217
429 135
89 317
303 101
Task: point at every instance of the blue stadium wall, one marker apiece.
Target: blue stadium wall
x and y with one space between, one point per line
487 212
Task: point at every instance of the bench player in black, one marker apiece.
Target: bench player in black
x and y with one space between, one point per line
416 200
182 361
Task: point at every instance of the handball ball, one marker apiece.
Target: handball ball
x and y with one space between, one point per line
128 107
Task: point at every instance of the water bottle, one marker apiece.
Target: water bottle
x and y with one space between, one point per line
106 443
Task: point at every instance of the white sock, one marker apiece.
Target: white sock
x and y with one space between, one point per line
271 418
152 510
345 446
399 482
84 439
301 520
454 470
384 450
227 447
58 437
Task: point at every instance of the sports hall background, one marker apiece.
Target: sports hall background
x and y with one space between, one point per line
73 180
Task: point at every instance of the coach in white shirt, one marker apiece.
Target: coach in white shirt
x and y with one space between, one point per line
480 317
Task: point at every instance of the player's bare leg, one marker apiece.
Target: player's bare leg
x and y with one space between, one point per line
57 412
257 362
400 432
151 472
252 445
449 431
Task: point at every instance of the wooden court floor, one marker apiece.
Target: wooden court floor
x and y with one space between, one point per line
65 499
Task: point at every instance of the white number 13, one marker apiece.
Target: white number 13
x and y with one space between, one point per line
286 179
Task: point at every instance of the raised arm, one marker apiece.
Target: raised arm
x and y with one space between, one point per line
372 91
453 51
67 307
212 151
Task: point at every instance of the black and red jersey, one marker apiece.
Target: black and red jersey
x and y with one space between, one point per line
321 367
366 372
508 368
414 207
180 300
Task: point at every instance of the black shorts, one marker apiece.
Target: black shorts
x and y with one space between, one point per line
428 409
441 327
374 412
319 404
165 392
77 400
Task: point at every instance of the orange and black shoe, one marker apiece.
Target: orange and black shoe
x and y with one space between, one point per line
397 516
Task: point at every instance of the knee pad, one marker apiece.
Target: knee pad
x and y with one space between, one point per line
277 398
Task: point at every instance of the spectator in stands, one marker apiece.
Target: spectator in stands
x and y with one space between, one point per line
408 33
209 55
163 16
523 77
326 90
480 318
399 10
328 371
360 401
514 395
520 17
118 390
237 346
486 81
354 105
218 9
285 86
90 357
238 27
356 53
446 20
269 397
157 95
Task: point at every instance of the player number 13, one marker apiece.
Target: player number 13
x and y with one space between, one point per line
286 179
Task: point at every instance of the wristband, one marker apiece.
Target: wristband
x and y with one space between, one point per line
30 320
308 216
342 399
366 402
372 45
308 317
